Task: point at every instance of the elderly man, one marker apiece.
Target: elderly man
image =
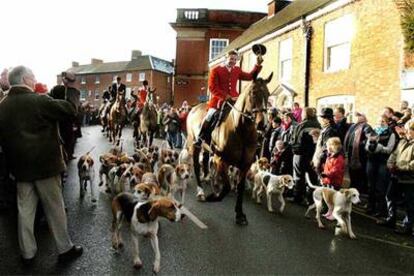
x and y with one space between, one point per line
222 83
29 138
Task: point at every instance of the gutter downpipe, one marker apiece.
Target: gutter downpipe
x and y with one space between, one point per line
307 33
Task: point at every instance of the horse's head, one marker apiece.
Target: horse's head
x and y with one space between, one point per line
258 95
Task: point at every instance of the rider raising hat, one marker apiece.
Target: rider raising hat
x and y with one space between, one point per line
222 84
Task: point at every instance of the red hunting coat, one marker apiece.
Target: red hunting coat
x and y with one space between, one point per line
221 83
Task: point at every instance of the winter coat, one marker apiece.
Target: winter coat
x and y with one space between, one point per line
320 151
334 170
223 82
380 150
403 159
301 141
29 133
282 162
342 128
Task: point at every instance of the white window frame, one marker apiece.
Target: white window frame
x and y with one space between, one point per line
83 95
347 101
285 57
338 35
141 76
128 77
97 79
83 79
210 52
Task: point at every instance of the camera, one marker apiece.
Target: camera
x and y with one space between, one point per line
372 144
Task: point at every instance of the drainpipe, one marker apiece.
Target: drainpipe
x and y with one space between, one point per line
307 33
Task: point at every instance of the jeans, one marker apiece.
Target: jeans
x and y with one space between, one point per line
378 178
173 139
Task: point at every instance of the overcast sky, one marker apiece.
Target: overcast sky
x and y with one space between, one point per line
47 35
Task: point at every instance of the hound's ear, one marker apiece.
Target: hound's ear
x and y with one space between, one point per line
91 162
175 154
154 212
269 78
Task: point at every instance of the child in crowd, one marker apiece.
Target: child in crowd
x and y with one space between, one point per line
334 168
281 162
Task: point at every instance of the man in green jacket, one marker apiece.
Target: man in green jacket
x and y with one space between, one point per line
29 138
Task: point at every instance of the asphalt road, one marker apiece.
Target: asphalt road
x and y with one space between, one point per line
270 244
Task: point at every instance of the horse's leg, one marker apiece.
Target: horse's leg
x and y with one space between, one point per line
200 191
240 216
221 170
206 159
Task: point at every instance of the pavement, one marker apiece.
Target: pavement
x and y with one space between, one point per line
271 244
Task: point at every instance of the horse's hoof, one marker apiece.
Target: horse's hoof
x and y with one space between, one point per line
241 220
201 197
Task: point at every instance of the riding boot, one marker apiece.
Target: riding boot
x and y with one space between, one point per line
205 133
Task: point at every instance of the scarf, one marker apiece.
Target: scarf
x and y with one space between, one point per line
381 130
285 125
325 124
355 162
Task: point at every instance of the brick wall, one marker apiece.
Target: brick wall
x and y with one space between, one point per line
376 51
377 58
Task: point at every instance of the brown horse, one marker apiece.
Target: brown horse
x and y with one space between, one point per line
117 119
148 121
233 142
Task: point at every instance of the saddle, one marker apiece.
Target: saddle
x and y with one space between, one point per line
221 116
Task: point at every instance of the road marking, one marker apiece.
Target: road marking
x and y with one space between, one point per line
386 241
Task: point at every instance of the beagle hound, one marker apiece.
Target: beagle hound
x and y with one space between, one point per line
143 219
86 172
272 185
339 205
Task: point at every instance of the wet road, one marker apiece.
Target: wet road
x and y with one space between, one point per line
270 244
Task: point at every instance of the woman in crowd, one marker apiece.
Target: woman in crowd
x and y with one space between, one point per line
379 147
401 163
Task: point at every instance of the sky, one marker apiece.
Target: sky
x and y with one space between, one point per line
47 35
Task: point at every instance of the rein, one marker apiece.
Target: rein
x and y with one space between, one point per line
248 115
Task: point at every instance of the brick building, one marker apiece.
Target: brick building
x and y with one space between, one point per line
332 53
201 35
92 79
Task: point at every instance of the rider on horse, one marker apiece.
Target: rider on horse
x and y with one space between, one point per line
222 84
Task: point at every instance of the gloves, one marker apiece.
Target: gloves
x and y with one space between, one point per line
259 60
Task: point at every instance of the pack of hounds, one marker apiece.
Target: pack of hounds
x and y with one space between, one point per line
152 183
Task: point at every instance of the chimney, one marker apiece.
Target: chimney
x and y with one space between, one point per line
75 64
96 61
276 6
135 54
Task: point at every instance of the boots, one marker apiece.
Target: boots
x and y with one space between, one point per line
204 134
390 220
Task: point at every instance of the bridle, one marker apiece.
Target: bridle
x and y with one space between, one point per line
250 114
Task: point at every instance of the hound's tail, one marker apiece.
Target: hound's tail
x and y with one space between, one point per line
309 182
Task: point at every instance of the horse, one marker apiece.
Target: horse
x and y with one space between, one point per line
117 119
103 115
233 142
148 121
